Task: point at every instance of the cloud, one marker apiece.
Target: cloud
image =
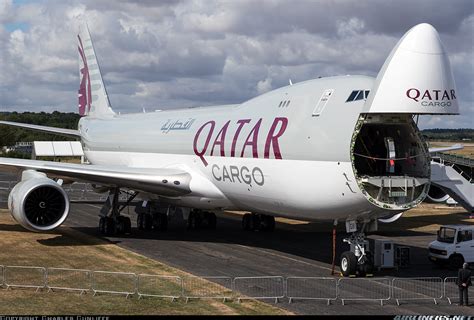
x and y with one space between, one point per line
166 54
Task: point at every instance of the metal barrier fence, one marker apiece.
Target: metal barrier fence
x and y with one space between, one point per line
24 277
260 288
207 287
451 288
226 288
2 279
68 279
417 289
149 285
114 282
311 288
364 289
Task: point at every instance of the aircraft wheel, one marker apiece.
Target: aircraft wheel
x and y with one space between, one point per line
109 226
255 222
348 263
268 223
147 222
160 222
102 225
246 221
194 220
211 220
163 222
127 225
140 221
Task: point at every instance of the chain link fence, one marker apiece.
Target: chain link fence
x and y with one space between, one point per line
227 288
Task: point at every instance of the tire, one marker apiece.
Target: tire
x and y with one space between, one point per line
147 222
369 264
120 225
268 223
190 222
160 222
365 269
456 261
102 225
194 220
348 263
127 228
109 226
246 222
140 221
255 222
211 220
163 222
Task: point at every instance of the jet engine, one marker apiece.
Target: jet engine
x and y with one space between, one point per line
38 203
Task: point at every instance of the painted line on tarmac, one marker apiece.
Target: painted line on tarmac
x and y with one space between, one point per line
91 205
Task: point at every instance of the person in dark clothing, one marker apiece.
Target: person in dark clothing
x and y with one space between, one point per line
464 281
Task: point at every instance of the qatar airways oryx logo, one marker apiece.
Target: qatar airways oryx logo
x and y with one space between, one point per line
431 97
202 140
85 95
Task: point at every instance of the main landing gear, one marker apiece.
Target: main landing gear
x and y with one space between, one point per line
359 260
198 219
258 222
152 216
114 223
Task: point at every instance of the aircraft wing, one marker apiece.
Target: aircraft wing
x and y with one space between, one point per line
444 149
162 181
59 131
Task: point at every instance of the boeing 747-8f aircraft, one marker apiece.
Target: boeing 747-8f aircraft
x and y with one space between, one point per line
342 148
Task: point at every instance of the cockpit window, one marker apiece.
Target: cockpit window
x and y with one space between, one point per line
358 95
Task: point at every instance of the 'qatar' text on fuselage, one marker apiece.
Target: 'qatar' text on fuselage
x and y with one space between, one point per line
206 133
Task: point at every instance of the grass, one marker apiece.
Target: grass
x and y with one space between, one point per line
68 248
467 151
428 217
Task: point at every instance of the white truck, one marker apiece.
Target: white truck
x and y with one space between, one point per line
454 245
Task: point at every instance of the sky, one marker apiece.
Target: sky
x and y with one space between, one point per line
178 53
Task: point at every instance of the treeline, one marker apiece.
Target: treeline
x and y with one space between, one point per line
449 134
10 135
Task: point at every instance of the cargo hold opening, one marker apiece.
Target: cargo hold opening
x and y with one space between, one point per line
390 160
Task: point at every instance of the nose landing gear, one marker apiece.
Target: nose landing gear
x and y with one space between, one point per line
359 260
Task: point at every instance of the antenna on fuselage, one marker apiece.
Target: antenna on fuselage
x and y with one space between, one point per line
291 82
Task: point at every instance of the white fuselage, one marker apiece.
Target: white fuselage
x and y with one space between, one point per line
262 155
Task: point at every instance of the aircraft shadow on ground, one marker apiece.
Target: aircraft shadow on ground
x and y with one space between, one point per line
66 240
298 240
18 228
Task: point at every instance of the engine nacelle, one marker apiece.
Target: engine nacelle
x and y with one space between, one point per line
436 195
38 203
